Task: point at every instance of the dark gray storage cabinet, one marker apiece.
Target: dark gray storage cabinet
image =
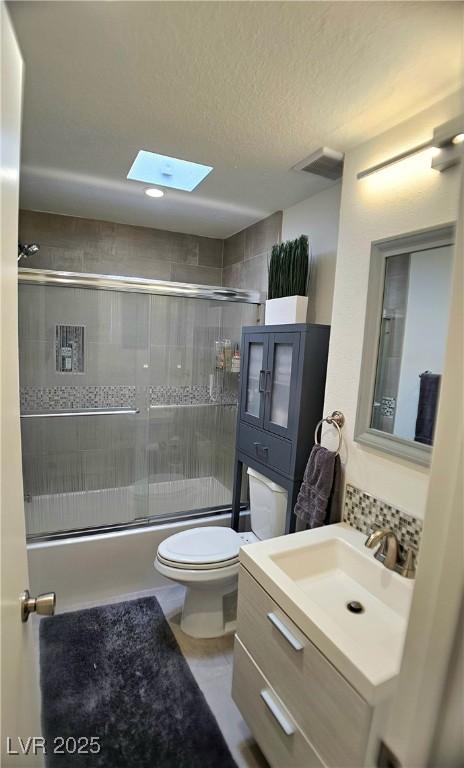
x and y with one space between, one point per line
282 385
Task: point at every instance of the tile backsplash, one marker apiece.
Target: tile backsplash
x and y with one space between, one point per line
366 513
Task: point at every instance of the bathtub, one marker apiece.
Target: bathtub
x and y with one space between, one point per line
57 512
102 566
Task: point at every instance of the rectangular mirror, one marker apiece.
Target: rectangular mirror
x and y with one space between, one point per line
405 341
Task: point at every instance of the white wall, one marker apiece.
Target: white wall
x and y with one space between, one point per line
425 330
317 217
403 198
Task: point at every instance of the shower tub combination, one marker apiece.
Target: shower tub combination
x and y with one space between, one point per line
128 412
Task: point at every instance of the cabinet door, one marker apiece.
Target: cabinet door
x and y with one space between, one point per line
280 383
255 346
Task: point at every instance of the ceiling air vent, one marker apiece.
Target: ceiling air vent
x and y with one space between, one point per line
324 162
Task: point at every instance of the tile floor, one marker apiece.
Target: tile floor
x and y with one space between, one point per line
211 665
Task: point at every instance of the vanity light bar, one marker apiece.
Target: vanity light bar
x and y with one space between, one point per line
446 142
394 159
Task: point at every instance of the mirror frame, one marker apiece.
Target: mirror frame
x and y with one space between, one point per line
420 240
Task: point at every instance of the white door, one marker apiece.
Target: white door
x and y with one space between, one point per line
427 712
19 673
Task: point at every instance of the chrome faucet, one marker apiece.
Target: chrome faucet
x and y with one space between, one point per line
388 552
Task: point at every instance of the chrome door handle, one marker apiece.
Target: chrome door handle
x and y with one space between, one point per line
285 631
44 605
285 723
267 389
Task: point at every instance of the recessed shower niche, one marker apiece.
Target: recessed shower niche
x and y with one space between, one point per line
69 348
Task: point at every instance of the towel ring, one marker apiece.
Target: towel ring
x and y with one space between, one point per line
337 420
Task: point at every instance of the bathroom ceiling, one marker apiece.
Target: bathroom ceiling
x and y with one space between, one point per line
249 88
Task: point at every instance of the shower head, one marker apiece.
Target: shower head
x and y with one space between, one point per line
26 250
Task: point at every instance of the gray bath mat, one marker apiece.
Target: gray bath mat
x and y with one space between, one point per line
116 673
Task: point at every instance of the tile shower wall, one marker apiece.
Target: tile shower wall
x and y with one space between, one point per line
153 354
86 245
81 453
247 253
115 332
366 513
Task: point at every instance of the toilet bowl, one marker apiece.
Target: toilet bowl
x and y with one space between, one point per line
206 561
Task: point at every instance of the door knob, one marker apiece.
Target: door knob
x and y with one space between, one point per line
44 605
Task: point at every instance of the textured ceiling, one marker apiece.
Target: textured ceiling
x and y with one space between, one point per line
250 88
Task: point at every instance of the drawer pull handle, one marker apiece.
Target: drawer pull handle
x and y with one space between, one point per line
264 450
284 722
284 630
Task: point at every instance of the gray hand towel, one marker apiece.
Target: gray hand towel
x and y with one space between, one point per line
319 497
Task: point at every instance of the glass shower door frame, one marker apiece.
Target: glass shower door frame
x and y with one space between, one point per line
141 409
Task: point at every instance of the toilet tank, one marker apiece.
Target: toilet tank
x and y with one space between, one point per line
268 506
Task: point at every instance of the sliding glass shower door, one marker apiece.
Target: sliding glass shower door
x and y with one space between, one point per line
128 405
192 402
83 415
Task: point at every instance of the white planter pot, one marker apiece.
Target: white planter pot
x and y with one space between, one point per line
288 309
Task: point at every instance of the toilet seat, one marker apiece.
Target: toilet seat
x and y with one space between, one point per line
197 566
207 548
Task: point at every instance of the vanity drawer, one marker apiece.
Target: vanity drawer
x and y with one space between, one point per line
274 451
267 718
330 713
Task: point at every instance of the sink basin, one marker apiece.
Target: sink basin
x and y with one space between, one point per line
362 598
352 607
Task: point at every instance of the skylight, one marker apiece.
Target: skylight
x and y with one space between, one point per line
167 171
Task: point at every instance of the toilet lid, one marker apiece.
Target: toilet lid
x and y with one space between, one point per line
201 545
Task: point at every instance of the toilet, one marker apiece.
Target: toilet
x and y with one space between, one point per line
205 560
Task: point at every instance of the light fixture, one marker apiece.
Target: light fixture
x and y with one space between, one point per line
167 171
154 192
449 137
444 147
395 159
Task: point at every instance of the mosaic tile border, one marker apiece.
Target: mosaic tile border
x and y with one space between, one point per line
190 395
74 397
365 513
34 399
